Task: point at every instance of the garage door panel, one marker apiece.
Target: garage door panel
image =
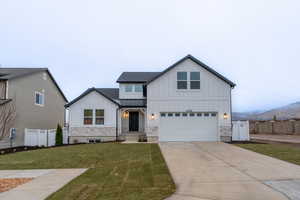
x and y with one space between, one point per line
188 128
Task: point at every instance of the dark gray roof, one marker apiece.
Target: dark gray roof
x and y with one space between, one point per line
111 94
199 63
133 102
11 73
136 77
4 101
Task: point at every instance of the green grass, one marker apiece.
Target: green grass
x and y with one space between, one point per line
116 171
281 151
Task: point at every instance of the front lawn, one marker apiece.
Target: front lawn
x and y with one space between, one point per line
117 171
281 151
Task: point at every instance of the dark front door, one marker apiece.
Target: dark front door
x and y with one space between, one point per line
133 121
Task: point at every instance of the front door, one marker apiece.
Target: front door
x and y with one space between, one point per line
133 121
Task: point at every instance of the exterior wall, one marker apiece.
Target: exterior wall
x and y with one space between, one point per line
28 115
214 96
92 101
2 89
275 127
84 134
129 95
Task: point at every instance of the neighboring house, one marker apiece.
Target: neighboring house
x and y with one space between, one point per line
36 98
188 101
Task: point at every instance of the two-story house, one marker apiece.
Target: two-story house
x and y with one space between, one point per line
188 101
34 97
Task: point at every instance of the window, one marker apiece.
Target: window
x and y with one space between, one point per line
195 80
162 114
184 114
206 114
128 88
170 114
181 80
39 98
138 88
177 114
213 114
192 114
88 117
99 117
199 114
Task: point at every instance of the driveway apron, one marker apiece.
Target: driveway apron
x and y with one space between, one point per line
216 170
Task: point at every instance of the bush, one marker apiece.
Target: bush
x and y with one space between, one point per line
59 136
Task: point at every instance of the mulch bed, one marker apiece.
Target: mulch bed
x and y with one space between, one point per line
10 183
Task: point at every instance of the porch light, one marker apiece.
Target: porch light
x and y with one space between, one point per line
125 114
225 116
152 116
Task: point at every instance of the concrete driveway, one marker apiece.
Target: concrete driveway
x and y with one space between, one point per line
215 170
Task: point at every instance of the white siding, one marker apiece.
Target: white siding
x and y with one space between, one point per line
163 96
129 95
92 101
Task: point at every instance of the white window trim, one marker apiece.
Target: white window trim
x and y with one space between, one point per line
94 120
43 99
133 89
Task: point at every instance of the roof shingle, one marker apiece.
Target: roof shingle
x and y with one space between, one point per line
136 77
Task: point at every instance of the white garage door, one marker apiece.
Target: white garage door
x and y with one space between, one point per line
188 126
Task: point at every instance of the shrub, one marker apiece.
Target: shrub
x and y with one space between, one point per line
59 136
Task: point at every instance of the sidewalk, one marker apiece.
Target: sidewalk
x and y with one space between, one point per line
45 182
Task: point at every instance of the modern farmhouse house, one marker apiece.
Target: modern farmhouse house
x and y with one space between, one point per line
188 101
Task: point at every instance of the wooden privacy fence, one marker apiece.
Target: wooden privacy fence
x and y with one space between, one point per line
42 137
289 127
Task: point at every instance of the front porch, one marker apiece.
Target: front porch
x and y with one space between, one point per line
132 124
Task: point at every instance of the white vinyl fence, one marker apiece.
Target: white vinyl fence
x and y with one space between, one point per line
240 131
42 137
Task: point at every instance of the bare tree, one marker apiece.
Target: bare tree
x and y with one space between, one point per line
7 118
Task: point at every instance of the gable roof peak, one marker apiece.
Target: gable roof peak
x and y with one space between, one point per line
189 56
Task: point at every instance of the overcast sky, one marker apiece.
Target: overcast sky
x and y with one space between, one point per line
88 43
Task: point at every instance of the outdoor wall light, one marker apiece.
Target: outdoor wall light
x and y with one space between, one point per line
125 114
152 116
225 116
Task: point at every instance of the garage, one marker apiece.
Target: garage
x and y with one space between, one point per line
194 126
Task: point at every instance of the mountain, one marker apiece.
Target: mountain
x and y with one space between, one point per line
286 112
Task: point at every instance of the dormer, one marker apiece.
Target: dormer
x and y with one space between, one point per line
132 85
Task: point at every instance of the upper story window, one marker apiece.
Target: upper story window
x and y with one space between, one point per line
39 99
181 80
194 80
128 88
88 117
134 88
138 88
99 117
187 80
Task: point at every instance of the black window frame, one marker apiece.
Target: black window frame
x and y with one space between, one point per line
100 117
182 81
195 82
88 117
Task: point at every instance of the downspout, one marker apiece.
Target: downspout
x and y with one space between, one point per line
231 112
117 123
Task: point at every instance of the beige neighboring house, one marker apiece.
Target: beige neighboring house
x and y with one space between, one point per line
36 98
188 101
